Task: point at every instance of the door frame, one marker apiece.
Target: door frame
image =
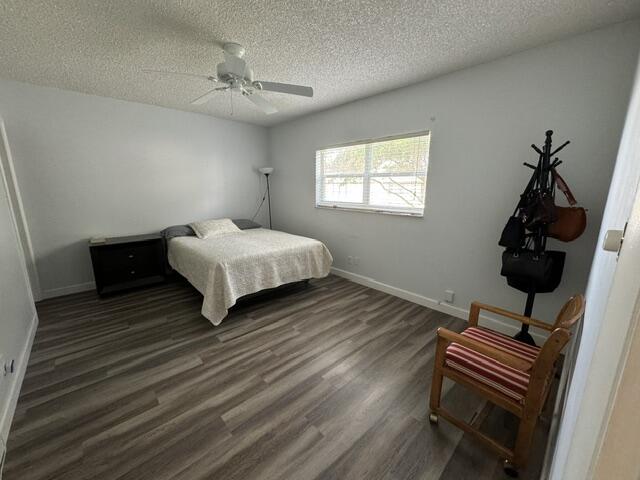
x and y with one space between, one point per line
622 306
8 173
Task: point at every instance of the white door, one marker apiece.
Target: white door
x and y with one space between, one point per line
614 285
617 452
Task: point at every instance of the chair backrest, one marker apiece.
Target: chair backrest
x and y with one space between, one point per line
570 312
543 367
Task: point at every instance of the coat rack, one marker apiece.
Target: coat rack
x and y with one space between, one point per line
539 191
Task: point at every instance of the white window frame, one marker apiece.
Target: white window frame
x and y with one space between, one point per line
365 206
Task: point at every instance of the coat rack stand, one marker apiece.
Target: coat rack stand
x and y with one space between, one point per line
542 181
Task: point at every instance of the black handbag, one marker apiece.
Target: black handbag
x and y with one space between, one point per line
512 234
525 269
540 210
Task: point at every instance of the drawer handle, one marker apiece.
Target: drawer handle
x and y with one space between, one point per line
131 255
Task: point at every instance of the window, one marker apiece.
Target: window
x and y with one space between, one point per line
387 175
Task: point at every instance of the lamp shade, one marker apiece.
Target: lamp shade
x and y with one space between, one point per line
266 170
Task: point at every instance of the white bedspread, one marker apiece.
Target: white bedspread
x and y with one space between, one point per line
229 266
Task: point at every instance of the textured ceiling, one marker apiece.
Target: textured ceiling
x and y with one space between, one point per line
343 49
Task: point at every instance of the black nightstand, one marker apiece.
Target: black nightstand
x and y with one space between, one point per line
121 263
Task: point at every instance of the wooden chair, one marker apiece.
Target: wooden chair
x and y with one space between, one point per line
510 374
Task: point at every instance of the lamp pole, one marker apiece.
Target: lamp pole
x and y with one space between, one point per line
268 199
266 171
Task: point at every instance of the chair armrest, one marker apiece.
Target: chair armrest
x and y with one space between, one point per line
474 314
538 324
499 355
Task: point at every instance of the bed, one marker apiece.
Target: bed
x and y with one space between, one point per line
230 266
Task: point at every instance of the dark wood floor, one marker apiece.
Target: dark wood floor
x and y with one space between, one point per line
329 382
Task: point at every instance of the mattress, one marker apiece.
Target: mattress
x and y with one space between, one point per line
227 267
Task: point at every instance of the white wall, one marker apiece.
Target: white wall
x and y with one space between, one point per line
482 120
17 312
91 166
604 334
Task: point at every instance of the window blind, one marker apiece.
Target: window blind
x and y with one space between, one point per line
387 175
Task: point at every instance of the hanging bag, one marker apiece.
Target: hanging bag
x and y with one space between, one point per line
538 208
526 268
513 233
571 221
540 211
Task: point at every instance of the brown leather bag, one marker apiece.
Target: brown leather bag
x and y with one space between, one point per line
572 221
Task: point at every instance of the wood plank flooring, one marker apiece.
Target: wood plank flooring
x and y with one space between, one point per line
328 382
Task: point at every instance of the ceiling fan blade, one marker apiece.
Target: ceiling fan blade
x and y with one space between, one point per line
235 65
286 88
206 97
261 103
193 75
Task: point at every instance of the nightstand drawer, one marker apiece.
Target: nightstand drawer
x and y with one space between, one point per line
125 257
133 270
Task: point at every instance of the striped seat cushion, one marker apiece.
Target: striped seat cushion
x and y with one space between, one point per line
504 379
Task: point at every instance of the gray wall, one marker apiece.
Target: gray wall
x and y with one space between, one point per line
91 166
482 120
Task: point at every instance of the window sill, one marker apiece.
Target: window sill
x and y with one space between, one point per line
370 210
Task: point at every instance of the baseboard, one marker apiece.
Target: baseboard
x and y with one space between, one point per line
68 290
383 287
459 312
7 416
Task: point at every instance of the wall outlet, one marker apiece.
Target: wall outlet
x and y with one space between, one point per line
356 260
448 296
6 367
350 260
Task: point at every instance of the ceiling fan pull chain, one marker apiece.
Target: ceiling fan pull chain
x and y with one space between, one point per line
231 95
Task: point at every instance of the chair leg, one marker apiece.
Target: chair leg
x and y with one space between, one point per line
436 389
436 381
523 441
436 392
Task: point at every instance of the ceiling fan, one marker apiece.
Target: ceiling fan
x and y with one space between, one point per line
234 75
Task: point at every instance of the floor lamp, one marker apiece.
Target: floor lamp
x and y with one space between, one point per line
266 171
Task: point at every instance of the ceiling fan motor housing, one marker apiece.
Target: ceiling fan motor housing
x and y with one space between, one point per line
228 77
